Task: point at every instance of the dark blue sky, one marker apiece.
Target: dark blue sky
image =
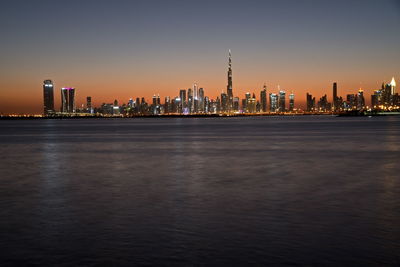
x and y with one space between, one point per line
120 49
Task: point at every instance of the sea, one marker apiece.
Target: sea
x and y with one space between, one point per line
229 191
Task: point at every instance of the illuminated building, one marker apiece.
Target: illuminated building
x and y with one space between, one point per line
183 104
351 101
68 100
263 99
48 97
323 105
206 105
167 105
116 110
273 102
360 100
201 100
224 102
291 102
229 90
89 108
282 101
236 104
195 101
190 100
251 104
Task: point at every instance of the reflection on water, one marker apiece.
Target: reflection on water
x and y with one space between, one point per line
275 190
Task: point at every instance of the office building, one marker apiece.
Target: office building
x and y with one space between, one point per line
263 99
48 97
67 100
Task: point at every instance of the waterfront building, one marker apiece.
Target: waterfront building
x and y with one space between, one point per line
335 97
224 102
229 90
282 101
48 97
351 101
310 102
360 100
323 105
236 104
263 99
89 108
67 100
251 104
291 102
183 103
201 100
190 100
273 102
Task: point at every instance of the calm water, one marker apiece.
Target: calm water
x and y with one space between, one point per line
207 191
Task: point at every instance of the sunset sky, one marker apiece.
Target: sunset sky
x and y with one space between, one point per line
111 49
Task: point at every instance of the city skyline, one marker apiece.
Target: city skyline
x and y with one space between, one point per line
280 44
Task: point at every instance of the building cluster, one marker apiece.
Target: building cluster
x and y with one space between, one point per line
384 99
194 101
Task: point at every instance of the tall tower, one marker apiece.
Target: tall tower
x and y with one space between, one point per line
68 100
334 97
48 97
229 87
393 86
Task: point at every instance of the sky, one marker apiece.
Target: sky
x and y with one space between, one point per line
120 49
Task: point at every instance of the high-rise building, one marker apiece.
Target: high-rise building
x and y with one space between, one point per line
273 102
282 101
323 105
291 102
183 103
201 100
190 100
89 108
167 105
263 99
310 102
229 90
351 101
195 102
224 102
335 97
360 100
252 104
393 86
48 97
236 104
67 100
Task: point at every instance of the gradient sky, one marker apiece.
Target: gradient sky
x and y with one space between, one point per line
111 49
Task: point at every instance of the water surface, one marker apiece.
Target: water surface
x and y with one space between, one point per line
310 190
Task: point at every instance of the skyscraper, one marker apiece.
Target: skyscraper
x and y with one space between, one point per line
48 97
334 97
67 100
310 102
89 104
291 102
201 100
282 101
393 86
263 99
190 100
360 100
183 104
229 90
273 102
